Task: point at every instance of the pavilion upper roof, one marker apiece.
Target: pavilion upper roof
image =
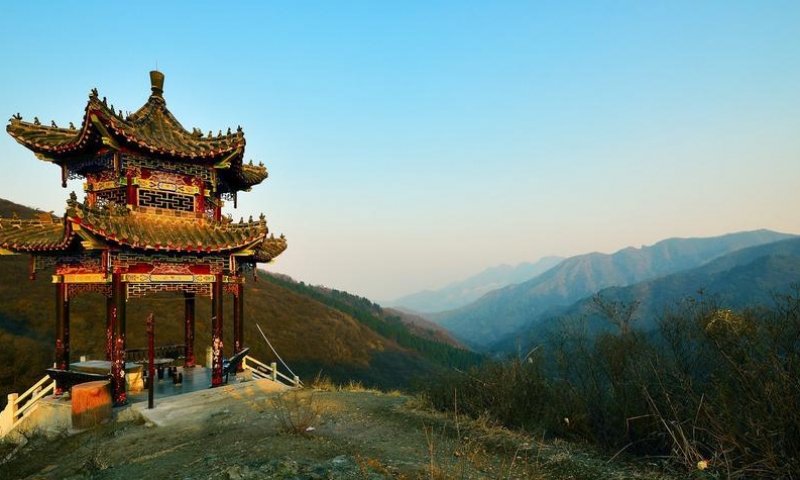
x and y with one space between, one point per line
151 130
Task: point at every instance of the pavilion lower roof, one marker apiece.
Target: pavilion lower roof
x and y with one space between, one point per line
148 231
270 248
139 231
44 234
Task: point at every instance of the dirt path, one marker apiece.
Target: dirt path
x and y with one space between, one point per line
345 434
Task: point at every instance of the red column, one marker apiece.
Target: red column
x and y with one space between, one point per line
188 328
238 322
200 206
151 337
131 190
62 327
216 333
118 390
109 327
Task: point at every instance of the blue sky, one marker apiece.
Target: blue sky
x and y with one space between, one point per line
411 144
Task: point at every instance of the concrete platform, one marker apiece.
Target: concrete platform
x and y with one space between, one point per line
199 405
190 401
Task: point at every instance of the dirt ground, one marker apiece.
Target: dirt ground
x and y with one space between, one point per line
307 434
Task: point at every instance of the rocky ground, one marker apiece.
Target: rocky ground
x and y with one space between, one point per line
314 434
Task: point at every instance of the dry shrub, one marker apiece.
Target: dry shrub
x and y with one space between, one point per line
728 393
717 389
296 410
323 383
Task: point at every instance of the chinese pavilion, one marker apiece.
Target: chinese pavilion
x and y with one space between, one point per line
151 220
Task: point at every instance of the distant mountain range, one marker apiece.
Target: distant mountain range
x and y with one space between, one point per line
745 278
503 312
463 292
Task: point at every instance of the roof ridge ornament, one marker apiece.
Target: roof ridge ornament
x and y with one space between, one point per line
156 83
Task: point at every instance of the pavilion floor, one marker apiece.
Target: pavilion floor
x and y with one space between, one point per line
194 379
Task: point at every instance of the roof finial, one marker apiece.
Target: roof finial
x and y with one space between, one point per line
156 83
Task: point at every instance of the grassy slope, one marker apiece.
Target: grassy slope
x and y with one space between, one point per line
357 434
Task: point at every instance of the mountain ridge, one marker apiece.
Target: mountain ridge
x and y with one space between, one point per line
479 324
749 277
462 292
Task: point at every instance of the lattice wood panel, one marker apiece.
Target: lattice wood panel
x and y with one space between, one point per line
166 200
137 290
75 289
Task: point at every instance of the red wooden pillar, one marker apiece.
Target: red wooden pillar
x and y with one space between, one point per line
238 340
62 326
109 327
216 333
200 204
238 322
130 192
118 391
151 348
188 329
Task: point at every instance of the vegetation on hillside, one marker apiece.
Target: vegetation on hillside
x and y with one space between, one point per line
388 326
315 330
9 209
716 389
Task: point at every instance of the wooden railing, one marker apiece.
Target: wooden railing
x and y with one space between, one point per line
262 370
161 351
20 406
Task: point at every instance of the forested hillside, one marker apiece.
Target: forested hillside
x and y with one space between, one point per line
314 330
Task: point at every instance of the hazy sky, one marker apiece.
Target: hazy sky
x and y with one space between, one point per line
411 144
